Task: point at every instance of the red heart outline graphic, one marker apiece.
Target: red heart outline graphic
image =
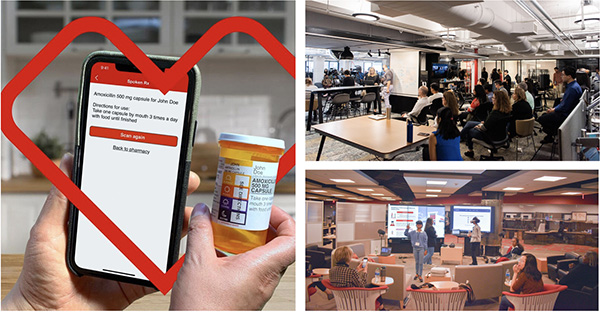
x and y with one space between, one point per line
163 281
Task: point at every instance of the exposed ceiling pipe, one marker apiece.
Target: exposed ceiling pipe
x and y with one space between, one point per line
531 13
539 7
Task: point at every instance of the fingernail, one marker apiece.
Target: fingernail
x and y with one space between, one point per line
200 209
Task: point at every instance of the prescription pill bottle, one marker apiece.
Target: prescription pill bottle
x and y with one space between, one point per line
244 190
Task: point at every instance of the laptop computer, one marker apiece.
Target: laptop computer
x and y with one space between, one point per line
386 251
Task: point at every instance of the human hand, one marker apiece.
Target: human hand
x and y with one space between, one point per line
425 253
516 269
46 283
571 265
408 226
241 282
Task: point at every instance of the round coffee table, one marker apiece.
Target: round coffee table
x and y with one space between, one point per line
321 271
388 281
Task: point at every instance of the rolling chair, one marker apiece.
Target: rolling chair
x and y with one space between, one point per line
524 129
493 146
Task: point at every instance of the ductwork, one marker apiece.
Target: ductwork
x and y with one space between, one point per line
473 17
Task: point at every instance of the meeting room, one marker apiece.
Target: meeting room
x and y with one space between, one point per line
451 240
413 80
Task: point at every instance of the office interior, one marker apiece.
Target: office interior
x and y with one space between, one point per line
554 214
431 42
231 99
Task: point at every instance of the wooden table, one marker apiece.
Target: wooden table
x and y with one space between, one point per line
451 254
447 277
283 298
321 271
319 93
383 138
388 281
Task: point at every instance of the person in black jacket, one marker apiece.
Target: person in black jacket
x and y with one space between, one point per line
583 274
520 110
494 126
348 80
495 75
484 74
431 236
508 80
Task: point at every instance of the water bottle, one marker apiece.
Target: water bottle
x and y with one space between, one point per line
377 275
507 276
409 131
382 274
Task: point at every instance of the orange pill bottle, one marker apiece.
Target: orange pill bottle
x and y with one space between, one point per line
244 190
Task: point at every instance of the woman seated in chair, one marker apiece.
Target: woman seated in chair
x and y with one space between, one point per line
513 252
583 274
527 279
444 143
479 99
520 110
342 275
493 127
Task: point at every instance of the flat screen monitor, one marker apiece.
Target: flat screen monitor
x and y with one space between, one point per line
401 215
439 70
461 216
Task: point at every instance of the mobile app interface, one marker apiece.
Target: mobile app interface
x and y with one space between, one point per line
130 164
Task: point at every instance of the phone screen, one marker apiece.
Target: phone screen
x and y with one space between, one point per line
130 158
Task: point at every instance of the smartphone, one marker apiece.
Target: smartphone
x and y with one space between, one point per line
132 158
364 262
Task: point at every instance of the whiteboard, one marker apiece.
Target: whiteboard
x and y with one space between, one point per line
405 66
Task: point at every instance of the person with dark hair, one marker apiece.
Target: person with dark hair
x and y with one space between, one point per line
527 279
523 85
435 90
495 75
479 99
506 87
520 110
515 250
444 143
489 92
508 80
557 81
492 126
431 236
584 273
348 80
418 240
554 117
449 100
475 236
499 86
484 75
481 81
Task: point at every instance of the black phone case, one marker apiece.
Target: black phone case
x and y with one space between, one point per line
189 130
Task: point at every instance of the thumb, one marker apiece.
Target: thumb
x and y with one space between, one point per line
53 216
200 244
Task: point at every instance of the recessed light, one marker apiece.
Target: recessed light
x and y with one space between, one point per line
549 179
433 191
431 195
437 182
342 180
512 188
377 194
318 191
571 193
366 190
338 195
366 16
361 199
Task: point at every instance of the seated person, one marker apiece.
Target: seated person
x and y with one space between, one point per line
479 99
341 275
514 251
520 110
422 102
348 80
499 86
488 92
435 93
527 279
523 85
318 284
554 117
493 126
583 274
444 143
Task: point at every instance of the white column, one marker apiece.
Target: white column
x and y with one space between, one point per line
318 67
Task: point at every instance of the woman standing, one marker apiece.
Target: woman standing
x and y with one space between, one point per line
418 240
431 235
372 76
475 236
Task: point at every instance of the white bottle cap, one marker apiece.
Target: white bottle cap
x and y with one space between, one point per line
250 139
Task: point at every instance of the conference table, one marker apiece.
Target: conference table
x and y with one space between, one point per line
385 138
321 91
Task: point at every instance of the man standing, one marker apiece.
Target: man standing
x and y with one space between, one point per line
554 117
388 79
484 74
557 81
508 79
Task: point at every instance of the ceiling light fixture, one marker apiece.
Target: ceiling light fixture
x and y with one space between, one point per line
369 54
433 191
431 195
587 13
318 191
338 195
342 180
366 16
379 52
365 190
549 179
512 188
437 182
388 52
346 55
571 193
377 194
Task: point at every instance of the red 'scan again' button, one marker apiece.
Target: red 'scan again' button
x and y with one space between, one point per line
126 135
